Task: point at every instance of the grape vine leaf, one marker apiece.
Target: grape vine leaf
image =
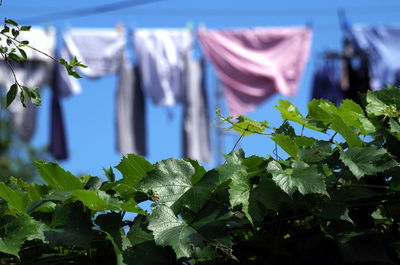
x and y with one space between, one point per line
143 250
266 195
15 200
169 180
301 176
290 112
133 169
71 226
168 230
239 188
111 225
367 160
319 151
19 230
57 177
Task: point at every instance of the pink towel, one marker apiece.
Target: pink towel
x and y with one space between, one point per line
253 64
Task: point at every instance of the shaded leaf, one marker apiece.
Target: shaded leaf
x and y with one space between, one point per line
367 160
168 230
71 225
19 230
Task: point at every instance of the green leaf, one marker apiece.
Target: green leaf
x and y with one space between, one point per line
235 157
239 189
14 57
16 201
23 54
133 169
11 22
301 176
57 177
245 126
25 28
169 180
99 201
348 134
71 226
199 171
385 102
319 151
111 225
96 200
11 94
367 160
93 183
195 197
143 250
168 230
265 196
19 230
291 113
109 173
286 143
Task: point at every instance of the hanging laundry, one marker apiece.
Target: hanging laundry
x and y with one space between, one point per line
130 112
104 52
253 64
326 82
161 57
33 73
355 72
58 137
381 45
196 134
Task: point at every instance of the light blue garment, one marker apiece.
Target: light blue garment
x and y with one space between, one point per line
382 45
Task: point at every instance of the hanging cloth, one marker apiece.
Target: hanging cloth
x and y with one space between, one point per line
196 126
381 45
253 64
161 57
326 82
104 52
33 73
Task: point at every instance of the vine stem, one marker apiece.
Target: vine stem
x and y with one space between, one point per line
240 138
363 186
12 70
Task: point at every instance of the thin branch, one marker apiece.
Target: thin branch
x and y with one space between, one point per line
11 68
240 138
33 48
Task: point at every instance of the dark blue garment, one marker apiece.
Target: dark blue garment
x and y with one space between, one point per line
326 83
382 47
58 139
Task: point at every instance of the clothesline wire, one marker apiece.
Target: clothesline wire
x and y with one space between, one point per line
84 11
220 12
230 12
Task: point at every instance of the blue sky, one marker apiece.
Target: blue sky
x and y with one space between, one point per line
89 116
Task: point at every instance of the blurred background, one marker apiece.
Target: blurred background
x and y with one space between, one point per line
89 116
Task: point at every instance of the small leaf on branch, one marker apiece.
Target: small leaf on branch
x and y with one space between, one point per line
11 94
25 28
11 22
